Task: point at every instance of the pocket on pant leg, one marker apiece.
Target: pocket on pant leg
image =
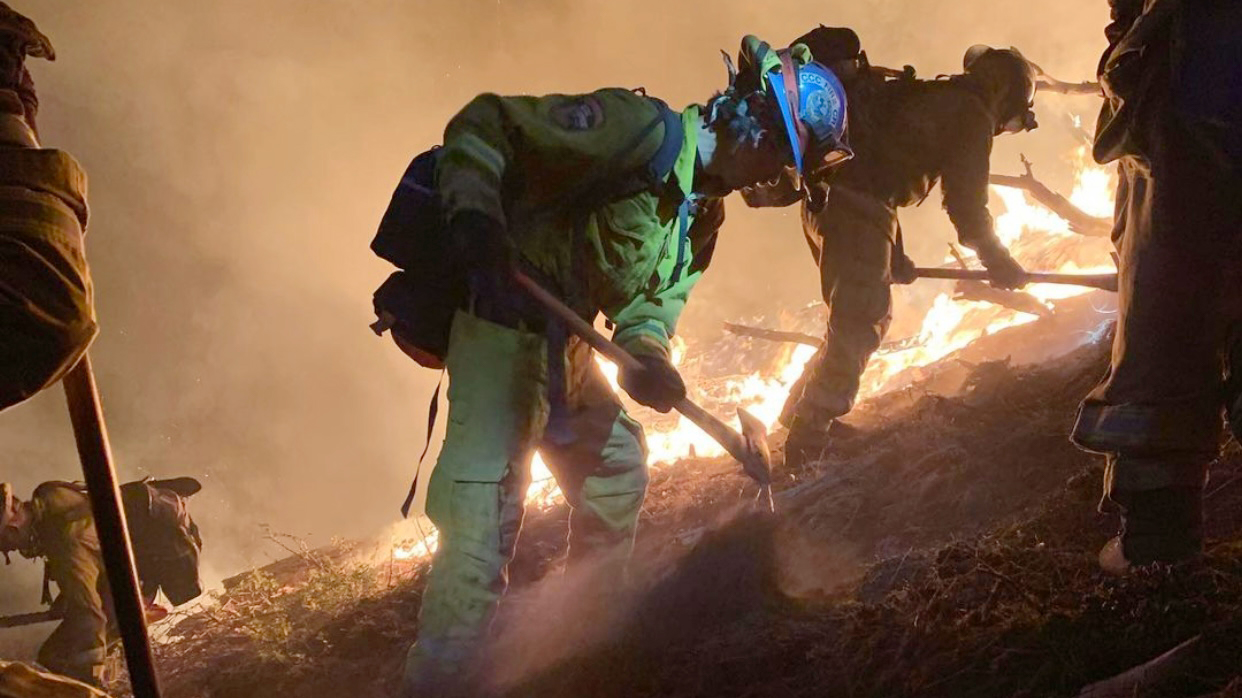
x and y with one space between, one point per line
615 488
469 514
626 452
439 506
497 400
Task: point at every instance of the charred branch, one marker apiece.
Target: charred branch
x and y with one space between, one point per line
773 335
810 340
1014 300
1047 84
1138 680
23 619
1079 221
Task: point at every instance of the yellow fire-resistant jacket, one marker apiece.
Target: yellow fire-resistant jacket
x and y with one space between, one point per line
518 160
65 536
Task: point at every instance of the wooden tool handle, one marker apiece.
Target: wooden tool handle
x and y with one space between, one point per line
86 414
718 430
578 325
1104 282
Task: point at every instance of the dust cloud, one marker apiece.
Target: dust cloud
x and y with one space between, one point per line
241 154
743 563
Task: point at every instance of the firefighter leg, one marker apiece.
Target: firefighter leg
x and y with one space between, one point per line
1157 415
497 411
857 244
603 470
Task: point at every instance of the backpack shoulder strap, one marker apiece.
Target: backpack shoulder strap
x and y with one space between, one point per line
661 164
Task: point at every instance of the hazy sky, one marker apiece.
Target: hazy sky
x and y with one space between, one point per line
242 152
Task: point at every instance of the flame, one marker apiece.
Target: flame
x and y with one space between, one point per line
1095 187
1034 234
412 539
1038 239
543 491
411 550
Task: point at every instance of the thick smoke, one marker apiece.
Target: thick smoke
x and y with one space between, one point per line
240 156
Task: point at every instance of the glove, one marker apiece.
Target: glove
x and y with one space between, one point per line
903 270
1004 270
656 385
484 245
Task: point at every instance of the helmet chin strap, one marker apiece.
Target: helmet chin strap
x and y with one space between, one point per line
793 94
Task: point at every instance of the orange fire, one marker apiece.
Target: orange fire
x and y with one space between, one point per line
412 539
1028 229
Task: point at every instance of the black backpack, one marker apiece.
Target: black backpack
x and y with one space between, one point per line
418 302
166 541
831 45
164 537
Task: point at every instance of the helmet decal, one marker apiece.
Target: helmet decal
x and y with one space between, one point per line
809 98
821 112
823 102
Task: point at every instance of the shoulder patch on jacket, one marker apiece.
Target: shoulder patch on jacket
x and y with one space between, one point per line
579 114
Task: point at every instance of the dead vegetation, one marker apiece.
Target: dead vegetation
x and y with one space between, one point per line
298 621
942 547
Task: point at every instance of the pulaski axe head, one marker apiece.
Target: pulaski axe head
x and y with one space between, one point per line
757 461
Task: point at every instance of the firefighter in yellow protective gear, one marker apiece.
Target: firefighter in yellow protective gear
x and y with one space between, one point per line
56 524
548 184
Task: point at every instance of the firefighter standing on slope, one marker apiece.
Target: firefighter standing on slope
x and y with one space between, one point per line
506 164
1172 76
907 135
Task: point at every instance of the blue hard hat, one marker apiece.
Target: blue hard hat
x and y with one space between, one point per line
819 132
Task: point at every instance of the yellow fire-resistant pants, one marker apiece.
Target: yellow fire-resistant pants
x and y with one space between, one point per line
498 416
852 241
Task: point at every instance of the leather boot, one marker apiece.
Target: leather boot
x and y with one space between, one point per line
1162 525
807 441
